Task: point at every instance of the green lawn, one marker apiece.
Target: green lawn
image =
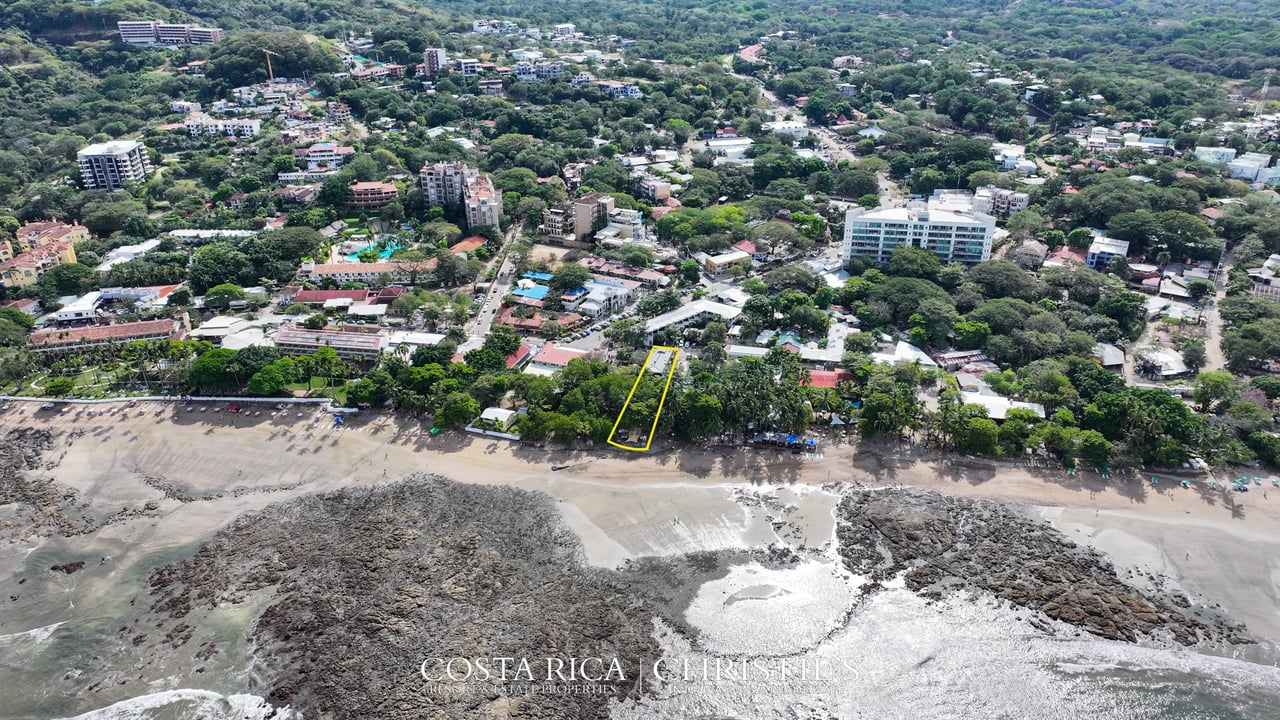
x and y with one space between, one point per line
319 388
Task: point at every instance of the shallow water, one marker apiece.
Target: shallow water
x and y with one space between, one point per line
902 656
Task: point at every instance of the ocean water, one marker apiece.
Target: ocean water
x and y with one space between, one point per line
896 655
801 643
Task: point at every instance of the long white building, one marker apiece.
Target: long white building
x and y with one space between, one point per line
109 165
154 32
198 123
952 236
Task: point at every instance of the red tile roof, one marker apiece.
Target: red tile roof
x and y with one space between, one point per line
557 356
520 355
93 333
828 378
471 244
308 297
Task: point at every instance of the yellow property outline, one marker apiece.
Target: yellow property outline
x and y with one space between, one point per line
662 401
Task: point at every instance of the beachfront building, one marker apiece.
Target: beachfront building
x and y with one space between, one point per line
109 165
348 345
954 236
56 340
369 195
375 274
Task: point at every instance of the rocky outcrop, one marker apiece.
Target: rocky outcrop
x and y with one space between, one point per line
43 506
942 544
365 584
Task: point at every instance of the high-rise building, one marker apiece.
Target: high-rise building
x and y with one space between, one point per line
591 212
443 182
452 184
953 236
109 165
483 202
435 60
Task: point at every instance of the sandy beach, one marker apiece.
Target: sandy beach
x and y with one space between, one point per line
199 470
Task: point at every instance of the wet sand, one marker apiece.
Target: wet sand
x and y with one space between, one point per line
200 470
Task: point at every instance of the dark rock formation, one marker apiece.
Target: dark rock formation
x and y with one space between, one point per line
365 584
946 543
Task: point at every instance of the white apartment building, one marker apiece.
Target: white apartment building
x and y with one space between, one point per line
533 72
198 124
624 226
618 89
109 165
327 155
467 67
204 35
154 32
953 236
443 182
991 200
527 54
566 29
137 32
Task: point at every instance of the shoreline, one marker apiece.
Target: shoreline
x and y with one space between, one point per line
198 471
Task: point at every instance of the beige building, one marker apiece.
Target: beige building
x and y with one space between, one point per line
448 184
483 203
574 221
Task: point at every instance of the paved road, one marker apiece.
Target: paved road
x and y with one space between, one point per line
829 140
478 327
1215 359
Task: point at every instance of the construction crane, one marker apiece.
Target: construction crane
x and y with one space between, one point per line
271 76
1256 125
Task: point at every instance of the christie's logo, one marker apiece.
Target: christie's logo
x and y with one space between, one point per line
472 678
